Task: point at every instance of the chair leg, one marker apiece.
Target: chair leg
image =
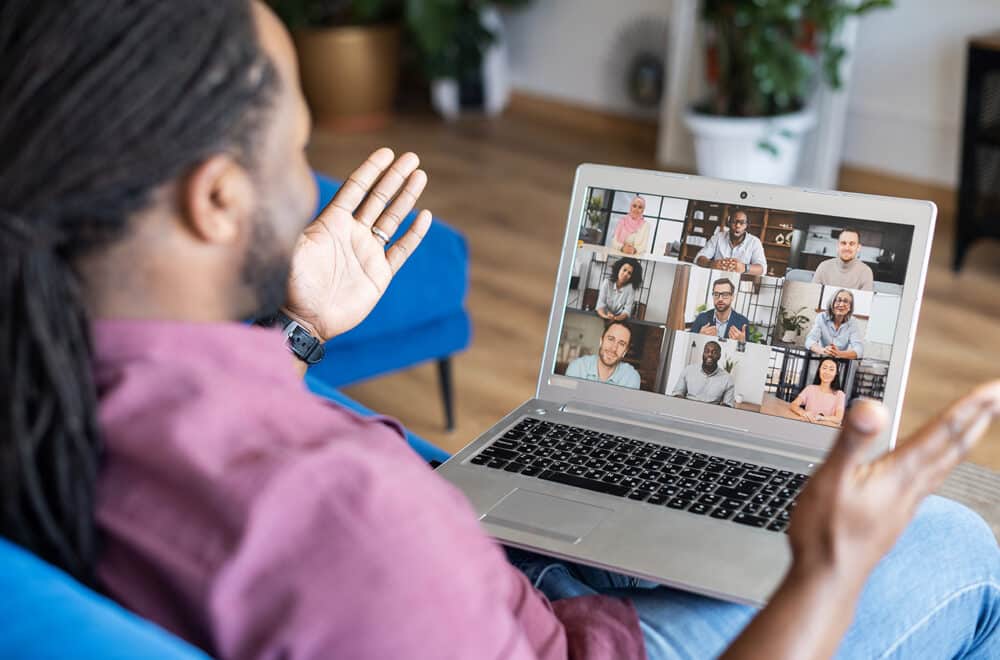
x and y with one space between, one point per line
444 373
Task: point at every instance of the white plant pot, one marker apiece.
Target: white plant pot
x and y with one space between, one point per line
729 147
789 336
495 73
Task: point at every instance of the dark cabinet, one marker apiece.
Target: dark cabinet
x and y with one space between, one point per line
979 180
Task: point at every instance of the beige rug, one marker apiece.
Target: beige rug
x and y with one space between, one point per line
977 488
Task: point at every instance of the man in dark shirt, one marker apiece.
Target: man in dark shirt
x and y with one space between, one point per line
722 320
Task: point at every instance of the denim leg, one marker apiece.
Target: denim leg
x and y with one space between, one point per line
936 595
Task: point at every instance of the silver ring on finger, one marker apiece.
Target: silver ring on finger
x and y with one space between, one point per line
380 235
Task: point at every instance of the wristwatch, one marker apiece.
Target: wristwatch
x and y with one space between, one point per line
301 343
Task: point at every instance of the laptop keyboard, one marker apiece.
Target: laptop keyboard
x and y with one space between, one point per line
680 479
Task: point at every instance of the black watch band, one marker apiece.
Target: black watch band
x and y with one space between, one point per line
303 345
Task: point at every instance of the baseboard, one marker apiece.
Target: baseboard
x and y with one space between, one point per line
583 119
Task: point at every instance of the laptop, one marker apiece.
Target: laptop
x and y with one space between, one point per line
704 340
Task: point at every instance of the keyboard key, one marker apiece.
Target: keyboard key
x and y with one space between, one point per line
514 466
496 463
577 470
531 470
617 490
734 471
697 464
778 526
690 474
700 509
505 444
480 460
710 500
722 513
679 503
734 493
497 452
756 476
715 468
732 503
747 519
658 498
594 474
639 494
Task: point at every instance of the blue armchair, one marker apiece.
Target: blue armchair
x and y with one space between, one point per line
421 317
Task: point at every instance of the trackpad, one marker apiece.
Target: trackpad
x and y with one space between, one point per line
556 517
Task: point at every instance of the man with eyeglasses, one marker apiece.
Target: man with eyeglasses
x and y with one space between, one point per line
736 250
722 320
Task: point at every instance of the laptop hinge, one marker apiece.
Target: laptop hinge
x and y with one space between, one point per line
707 431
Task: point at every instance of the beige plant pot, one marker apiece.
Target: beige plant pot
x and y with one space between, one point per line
349 74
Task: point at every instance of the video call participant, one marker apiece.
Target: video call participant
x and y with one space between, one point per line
835 332
736 250
608 366
824 400
614 302
632 233
846 269
707 381
722 321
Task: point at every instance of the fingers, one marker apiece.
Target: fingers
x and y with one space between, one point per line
408 242
387 188
361 180
941 444
390 218
862 425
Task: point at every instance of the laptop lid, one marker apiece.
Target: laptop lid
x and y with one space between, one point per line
659 338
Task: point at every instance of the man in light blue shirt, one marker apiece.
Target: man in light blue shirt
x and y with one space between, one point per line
607 366
707 382
736 250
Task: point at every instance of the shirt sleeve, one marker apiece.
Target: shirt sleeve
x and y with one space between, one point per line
729 396
628 299
757 256
632 378
699 322
710 248
680 387
640 239
345 567
868 281
602 295
854 337
575 369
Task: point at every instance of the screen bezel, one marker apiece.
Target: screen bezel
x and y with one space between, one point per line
915 213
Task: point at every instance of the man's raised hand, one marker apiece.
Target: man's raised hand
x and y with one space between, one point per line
342 265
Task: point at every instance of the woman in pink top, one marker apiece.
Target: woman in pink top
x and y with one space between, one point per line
824 399
632 233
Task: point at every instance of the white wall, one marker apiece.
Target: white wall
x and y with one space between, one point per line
570 49
905 97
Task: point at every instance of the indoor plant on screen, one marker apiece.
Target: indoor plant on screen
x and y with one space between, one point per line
764 58
346 45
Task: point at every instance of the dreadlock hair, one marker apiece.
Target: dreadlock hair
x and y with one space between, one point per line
100 103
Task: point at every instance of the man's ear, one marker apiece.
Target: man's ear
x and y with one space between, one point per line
217 200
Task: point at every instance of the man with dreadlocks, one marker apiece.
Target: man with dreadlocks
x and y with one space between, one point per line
154 192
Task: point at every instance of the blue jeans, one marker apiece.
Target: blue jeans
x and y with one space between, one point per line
935 595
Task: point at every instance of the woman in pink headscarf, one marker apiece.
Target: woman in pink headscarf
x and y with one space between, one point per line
632 233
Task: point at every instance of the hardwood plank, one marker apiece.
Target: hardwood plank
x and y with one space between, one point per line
505 183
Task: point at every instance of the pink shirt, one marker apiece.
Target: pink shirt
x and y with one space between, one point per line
817 401
256 520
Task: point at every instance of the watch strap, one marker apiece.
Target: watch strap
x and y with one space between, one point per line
301 343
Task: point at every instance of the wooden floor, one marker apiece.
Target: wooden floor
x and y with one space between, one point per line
505 184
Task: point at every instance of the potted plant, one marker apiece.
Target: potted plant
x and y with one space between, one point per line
461 46
348 58
763 58
792 324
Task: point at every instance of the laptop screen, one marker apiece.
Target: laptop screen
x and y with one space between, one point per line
763 310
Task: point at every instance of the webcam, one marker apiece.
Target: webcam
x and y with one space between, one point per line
743 194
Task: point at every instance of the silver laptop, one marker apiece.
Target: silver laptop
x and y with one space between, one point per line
704 340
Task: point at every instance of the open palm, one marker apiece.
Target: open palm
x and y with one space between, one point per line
340 267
